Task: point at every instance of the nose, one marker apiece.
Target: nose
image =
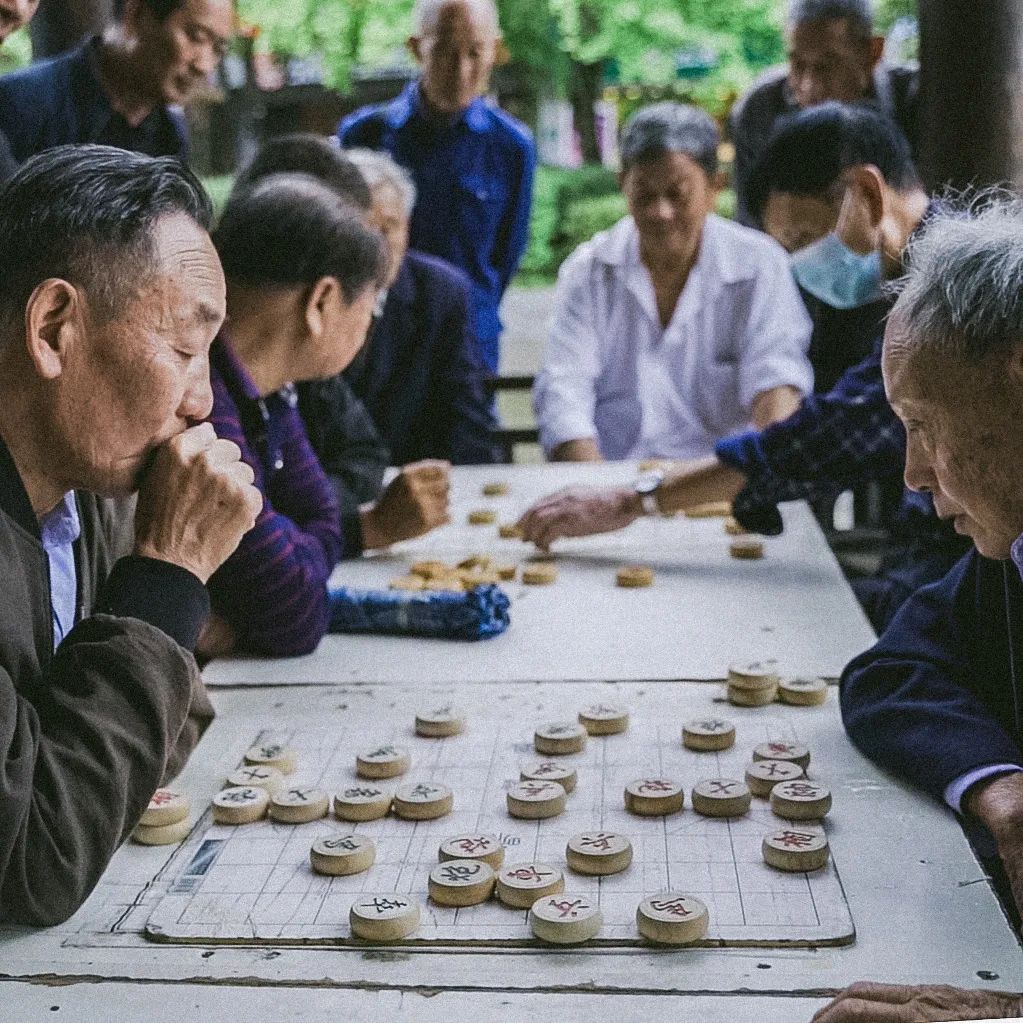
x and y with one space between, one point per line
661 209
919 473
197 401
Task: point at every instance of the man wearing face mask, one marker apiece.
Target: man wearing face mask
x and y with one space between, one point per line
839 188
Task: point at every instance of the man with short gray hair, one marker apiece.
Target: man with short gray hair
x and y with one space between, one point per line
938 699
834 54
110 296
675 327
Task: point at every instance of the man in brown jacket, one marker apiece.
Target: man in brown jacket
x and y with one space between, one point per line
110 295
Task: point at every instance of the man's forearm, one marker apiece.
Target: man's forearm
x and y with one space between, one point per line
775 405
705 481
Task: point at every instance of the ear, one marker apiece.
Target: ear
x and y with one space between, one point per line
876 51
53 324
317 304
414 45
502 55
870 186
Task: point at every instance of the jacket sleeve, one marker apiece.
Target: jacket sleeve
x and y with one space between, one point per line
911 703
565 392
82 752
273 588
458 392
345 441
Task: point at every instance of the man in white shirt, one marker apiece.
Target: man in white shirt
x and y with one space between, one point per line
674 328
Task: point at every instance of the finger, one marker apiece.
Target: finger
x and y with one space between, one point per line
194 439
224 452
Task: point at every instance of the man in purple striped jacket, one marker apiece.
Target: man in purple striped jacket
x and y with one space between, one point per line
302 274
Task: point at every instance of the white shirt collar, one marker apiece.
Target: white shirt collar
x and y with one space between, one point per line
620 248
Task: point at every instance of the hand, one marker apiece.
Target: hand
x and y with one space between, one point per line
196 502
895 1003
999 805
579 511
217 639
415 502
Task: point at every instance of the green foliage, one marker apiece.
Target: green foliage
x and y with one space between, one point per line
16 52
345 32
889 11
641 37
583 219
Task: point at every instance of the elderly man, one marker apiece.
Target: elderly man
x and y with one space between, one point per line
833 177
110 295
937 700
120 89
420 374
834 54
675 327
472 164
303 271
340 429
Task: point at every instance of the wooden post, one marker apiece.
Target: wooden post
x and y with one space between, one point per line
60 24
971 118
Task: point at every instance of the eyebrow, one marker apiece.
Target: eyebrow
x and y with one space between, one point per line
207 314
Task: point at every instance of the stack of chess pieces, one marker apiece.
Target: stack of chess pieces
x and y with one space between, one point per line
471 867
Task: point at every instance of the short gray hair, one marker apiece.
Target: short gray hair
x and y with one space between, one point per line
962 296
859 14
379 169
669 127
426 13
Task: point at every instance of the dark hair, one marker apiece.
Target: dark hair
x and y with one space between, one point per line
809 151
858 13
86 214
304 153
669 127
290 230
160 9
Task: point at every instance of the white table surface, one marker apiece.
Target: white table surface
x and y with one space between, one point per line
923 912
705 610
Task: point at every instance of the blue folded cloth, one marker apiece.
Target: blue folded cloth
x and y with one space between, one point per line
478 614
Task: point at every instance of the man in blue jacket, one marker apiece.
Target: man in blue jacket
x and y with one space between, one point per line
122 88
472 164
939 699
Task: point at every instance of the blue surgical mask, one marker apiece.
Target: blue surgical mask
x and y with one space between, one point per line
839 277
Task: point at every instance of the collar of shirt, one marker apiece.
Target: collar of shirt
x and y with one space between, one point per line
715 262
1017 554
410 104
879 97
58 530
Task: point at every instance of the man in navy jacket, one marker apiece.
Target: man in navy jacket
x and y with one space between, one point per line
938 699
420 375
120 89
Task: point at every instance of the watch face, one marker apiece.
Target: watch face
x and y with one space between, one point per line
649 482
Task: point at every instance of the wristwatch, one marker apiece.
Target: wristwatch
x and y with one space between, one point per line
646 488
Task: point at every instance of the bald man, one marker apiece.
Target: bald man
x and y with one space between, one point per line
472 164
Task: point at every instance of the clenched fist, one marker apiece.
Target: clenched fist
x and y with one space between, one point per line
196 502
415 502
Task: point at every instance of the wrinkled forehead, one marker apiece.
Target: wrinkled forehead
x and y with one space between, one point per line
186 259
